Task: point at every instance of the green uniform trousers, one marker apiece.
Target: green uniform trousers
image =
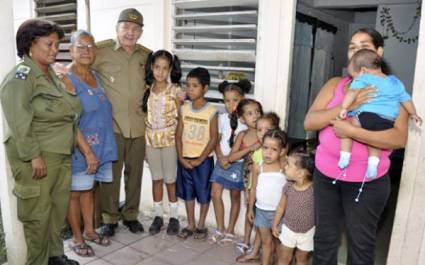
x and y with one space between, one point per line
42 204
131 154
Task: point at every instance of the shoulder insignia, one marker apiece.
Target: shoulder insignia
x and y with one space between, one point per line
144 49
105 43
22 72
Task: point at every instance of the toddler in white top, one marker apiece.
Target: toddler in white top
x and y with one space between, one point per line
267 183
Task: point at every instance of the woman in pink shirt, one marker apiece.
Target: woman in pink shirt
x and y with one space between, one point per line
346 196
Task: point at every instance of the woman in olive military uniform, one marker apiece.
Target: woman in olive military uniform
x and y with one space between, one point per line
42 117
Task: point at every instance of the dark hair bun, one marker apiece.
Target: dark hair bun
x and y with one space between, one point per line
245 85
222 86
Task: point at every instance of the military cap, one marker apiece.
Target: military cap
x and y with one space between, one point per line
131 15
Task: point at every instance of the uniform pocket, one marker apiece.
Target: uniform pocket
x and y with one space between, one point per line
27 202
27 191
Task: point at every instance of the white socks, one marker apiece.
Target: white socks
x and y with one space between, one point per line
344 159
158 208
174 207
372 167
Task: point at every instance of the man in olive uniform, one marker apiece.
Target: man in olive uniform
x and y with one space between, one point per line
121 64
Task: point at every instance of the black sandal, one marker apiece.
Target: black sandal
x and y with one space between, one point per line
185 233
201 233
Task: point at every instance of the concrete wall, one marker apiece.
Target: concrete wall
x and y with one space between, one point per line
104 15
401 56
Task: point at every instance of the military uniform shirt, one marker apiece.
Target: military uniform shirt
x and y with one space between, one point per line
41 114
123 78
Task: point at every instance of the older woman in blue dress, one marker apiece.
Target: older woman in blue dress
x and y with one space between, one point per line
92 160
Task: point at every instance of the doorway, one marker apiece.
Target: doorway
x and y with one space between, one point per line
399 24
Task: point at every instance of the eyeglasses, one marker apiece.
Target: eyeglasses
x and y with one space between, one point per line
83 47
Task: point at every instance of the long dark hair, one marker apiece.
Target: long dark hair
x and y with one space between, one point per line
175 75
242 87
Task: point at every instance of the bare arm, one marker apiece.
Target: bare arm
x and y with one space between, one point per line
279 214
91 159
410 107
179 144
253 192
236 153
319 116
222 159
393 138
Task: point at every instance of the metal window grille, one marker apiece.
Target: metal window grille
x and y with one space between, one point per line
220 35
65 14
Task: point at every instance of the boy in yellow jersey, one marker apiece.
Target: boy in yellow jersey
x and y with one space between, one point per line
196 138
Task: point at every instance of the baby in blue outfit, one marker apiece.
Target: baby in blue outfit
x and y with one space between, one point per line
380 112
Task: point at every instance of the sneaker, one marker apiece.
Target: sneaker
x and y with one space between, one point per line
62 260
215 237
156 225
173 226
108 229
134 226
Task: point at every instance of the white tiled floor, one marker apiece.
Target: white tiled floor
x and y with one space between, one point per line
161 249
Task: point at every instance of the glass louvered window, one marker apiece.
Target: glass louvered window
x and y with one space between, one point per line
220 35
63 12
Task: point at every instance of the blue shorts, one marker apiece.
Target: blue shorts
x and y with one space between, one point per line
263 218
231 178
195 183
83 181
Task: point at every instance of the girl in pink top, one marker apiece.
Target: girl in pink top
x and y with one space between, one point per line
349 198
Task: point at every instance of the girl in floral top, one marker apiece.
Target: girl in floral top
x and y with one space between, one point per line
161 102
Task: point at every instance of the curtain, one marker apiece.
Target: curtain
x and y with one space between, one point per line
300 81
323 65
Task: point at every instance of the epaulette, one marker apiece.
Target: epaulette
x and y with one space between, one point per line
144 49
105 43
22 72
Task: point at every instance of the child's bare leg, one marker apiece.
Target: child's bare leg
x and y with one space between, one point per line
285 254
216 195
203 215
235 196
301 257
257 244
346 144
254 255
267 243
372 162
190 211
248 224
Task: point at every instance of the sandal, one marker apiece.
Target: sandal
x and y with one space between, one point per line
82 249
242 247
216 237
185 233
201 233
245 258
227 239
99 240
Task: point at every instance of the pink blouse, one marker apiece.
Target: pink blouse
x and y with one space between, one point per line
327 154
